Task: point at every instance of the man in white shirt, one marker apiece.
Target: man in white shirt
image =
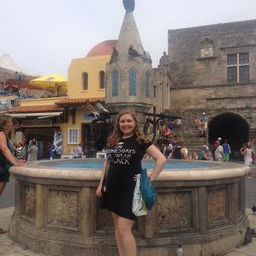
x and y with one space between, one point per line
219 153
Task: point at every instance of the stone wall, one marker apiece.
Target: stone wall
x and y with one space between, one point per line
187 65
197 71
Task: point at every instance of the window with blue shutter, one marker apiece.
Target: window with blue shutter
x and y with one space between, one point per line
114 77
132 82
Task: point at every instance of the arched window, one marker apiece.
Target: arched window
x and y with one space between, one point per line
102 79
147 83
85 80
132 82
115 78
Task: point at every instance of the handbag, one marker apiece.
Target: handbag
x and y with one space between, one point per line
138 205
147 190
103 199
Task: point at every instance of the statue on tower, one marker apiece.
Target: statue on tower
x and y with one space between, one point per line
129 5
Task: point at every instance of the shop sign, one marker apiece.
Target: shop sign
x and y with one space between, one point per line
47 122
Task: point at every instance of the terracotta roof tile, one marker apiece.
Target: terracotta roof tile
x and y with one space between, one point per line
102 49
78 102
36 109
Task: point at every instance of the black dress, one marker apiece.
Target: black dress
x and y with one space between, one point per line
5 164
125 162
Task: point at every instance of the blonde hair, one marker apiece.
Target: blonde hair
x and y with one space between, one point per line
4 118
117 134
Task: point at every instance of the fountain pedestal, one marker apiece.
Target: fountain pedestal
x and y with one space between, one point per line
56 212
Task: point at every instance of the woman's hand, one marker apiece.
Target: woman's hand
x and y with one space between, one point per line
20 162
98 191
150 179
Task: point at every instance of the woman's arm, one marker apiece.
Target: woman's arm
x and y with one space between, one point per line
104 169
6 152
160 159
243 150
105 166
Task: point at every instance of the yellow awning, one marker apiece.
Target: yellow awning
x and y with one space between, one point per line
53 82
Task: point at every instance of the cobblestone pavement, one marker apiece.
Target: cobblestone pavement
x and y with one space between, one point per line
10 248
7 246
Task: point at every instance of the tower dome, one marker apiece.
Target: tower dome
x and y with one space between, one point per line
102 49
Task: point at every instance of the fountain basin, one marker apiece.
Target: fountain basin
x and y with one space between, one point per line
200 205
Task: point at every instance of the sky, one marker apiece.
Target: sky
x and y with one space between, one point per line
43 36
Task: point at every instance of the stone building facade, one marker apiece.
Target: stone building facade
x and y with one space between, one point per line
212 69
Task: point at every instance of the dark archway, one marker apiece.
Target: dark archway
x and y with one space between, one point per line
232 127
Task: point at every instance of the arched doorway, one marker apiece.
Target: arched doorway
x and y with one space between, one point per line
232 127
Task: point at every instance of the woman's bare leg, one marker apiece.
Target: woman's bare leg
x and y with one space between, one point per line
2 186
125 237
115 219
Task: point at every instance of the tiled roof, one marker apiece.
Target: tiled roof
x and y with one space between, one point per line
78 102
36 109
102 49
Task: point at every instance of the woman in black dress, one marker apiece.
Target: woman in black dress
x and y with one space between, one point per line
126 148
7 159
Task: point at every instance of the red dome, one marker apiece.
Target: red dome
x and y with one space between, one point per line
103 48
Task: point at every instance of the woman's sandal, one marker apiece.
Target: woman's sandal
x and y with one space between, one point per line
2 231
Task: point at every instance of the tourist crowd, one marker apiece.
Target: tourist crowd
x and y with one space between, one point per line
173 148
167 140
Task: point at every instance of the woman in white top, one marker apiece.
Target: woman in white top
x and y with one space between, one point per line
247 152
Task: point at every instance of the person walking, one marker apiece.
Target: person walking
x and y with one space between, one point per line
226 151
247 153
125 150
58 143
7 158
31 142
33 152
52 151
218 153
217 143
